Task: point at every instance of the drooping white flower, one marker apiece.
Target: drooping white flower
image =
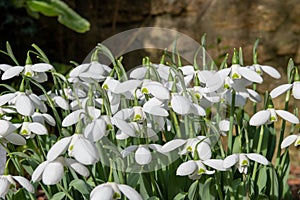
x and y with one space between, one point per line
242 161
285 87
29 129
79 147
199 145
51 172
270 115
183 106
265 68
290 140
7 181
42 118
195 168
142 153
35 71
111 190
24 102
8 133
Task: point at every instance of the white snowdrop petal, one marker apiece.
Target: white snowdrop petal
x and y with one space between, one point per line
96 130
124 114
128 150
38 128
186 168
187 70
153 106
257 158
4 67
204 150
53 173
78 167
37 174
143 155
121 136
41 67
215 82
24 183
127 86
129 192
180 104
85 151
260 118
123 126
157 90
72 118
12 72
287 116
288 141
138 73
296 90
223 73
15 139
61 102
224 125
250 75
280 90
215 164
24 106
197 110
6 98
78 70
58 148
49 119
156 147
254 96
4 127
4 187
231 160
172 145
102 192
271 71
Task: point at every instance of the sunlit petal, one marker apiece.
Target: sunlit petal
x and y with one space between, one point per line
24 106
12 72
231 160
41 67
53 173
78 167
180 104
24 183
172 145
38 128
257 158
58 148
288 141
102 192
37 174
280 90
250 75
186 168
129 192
287 116
296 90
72 118
143 155
260 118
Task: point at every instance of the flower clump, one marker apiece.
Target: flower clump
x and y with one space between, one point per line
102 133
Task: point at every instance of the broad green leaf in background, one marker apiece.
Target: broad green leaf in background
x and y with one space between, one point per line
65 15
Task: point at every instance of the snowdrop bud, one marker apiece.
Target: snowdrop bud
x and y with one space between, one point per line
235 57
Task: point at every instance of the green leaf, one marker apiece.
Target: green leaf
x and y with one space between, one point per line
44 57
290 68
81 186
20 194
180 196
65 14
273 183
58 196
10 53
262 179
192 193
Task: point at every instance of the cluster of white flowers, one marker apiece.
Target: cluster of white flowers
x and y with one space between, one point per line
152 101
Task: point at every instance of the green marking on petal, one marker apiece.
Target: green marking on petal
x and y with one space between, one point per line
236 76
201 171
71 147
105 86
109 127
117 195
145 91
198 96
258 71
297 142
28 74
24 132
137 117
272 119
226 86
189 148
245 163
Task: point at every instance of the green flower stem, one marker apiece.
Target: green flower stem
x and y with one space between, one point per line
261 135
40 143
176 123
230 133
283 124
65 191
47 191
13 159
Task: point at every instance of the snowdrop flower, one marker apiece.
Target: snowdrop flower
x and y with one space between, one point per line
183 106
36 71
29 129
238 72
289 140
25 102
111 190
199 145
6 181
51 172
8 133
242 161
265 68
88 72
270 115
42 118
82 149
195 168
156 89
142 153
285 87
